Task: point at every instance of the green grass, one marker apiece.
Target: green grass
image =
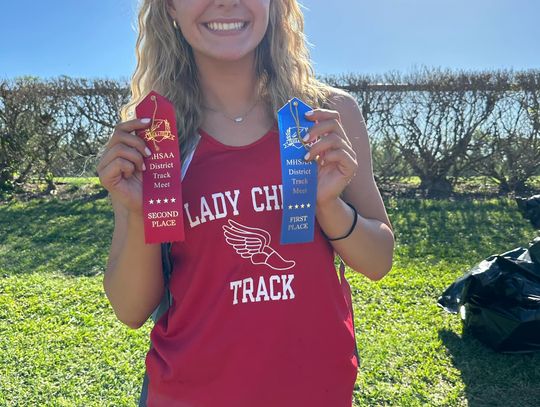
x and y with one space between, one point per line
61 344
478 183
77 180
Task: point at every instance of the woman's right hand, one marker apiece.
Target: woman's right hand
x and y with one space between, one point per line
121 165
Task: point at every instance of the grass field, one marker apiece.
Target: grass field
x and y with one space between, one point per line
62 346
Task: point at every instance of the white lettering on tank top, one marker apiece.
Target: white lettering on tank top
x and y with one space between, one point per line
247 286
221 204
236 285
261 291
271 197
218 209
256 207
287 280
273 294
280 289
221 198
205 211
192 222
234 202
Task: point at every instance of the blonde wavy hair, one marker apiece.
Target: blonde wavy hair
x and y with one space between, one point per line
165 63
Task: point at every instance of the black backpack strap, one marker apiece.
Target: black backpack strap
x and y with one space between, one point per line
161 308
166 263
144 391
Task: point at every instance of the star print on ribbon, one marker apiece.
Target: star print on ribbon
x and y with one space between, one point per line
298 177
158 201
162 191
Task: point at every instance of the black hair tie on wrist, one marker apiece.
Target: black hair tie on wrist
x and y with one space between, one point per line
350 230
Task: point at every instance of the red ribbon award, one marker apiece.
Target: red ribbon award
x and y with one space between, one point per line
162 192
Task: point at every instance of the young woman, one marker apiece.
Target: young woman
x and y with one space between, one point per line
271 330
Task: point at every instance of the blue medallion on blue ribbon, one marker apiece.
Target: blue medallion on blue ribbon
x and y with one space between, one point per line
299 178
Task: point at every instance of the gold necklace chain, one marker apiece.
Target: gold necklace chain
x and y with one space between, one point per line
237 119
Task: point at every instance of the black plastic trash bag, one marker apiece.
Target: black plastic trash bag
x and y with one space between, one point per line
499 300
530 209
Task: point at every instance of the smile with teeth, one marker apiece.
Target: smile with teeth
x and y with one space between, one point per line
226 26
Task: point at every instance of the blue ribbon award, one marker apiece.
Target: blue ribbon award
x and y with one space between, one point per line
299 178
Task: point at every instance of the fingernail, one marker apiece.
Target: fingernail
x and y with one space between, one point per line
306 157
310 113
145 120
306 137
147 151
143 167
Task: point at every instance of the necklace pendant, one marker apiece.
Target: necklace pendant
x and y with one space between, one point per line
238 119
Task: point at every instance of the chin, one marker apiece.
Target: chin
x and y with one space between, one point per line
231 56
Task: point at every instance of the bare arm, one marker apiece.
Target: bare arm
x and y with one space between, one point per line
133 281
369 248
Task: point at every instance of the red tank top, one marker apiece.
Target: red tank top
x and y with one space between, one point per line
253 323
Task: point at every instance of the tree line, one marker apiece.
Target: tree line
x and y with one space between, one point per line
435 124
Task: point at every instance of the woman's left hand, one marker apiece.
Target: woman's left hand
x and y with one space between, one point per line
336 160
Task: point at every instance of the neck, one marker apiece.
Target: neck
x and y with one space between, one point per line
228 86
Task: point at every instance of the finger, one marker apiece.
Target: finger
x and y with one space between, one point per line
132 125
119 166
124 151
330 142
122 134
322 114
346 163
323 128
130 140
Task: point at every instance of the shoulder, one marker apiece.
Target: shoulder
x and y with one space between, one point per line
345 104
351 120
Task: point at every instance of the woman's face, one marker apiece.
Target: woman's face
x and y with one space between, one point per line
221 29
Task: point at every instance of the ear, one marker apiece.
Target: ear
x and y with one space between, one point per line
170 8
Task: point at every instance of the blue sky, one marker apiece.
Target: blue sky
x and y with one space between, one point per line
97 38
